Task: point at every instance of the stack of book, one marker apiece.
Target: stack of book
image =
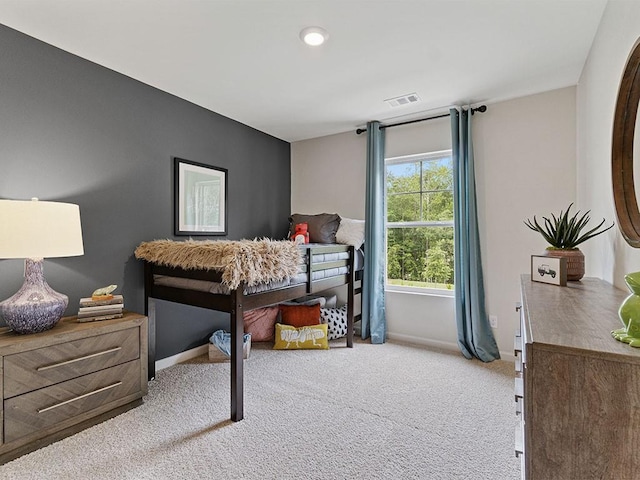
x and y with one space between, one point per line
92 309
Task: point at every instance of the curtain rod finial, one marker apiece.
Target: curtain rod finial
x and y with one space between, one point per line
360 130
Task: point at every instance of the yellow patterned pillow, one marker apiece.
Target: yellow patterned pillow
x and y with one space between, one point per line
292 338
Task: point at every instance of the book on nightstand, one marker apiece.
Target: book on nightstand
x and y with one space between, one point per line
97 301
93 309
97 318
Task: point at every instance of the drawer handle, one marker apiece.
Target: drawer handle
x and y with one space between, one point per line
67 362
108 387
517 344
519 387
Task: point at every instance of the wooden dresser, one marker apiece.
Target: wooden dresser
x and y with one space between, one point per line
577 388
58 382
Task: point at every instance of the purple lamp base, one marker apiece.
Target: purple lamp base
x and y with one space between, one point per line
36 307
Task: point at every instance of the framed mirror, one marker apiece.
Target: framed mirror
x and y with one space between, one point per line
624 171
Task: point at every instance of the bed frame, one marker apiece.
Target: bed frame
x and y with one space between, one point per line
236 302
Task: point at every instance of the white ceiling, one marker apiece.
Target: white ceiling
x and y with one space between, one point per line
244 59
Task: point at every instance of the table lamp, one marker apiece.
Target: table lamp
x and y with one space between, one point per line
35 230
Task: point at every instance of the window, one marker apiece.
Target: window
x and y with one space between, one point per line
420 221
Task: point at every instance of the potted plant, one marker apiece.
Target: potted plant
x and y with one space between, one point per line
564 233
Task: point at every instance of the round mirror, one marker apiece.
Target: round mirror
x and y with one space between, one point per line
636 154
622 155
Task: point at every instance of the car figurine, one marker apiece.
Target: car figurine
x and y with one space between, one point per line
544 269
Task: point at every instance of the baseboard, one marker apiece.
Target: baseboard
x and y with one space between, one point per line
398 337
427 342
506 356
182 357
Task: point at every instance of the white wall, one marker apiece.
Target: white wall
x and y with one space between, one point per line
525 164
609 255
328 175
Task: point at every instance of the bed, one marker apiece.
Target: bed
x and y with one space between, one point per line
241 276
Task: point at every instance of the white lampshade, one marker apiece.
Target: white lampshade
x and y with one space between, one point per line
34 229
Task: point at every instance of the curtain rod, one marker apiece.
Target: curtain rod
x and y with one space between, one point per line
481 109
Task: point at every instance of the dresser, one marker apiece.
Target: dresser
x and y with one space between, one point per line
577 389
58 382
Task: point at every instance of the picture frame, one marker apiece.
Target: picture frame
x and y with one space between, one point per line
200 198
551 270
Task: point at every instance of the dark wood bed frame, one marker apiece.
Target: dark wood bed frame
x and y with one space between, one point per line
236 302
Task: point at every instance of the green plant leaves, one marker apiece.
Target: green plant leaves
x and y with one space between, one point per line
564 231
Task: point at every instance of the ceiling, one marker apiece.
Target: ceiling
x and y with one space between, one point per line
244 59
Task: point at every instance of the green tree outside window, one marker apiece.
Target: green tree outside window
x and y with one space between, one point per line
420 221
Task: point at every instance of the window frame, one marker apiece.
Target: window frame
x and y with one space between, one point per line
413 158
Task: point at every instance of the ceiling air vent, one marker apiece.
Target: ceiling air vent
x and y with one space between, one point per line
403 100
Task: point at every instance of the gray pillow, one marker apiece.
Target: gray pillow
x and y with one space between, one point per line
331 302
328 302
322 227
308 301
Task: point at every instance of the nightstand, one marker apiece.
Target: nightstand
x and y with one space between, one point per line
61 381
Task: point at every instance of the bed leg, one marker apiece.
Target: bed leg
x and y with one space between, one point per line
150 312
151 359
350 298
237 335
350 317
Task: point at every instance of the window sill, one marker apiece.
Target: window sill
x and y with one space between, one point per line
430 292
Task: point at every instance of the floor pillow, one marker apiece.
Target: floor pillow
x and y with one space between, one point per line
309 337
336 320
260 323
300 315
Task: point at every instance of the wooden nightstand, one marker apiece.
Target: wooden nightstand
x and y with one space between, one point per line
59 382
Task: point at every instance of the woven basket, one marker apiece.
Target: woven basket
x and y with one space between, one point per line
217 356
575 262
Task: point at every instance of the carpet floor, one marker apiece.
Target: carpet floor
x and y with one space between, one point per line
387 411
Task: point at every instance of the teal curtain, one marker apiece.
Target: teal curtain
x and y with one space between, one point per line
475 337
374 323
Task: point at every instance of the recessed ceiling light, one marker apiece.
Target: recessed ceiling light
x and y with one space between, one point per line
314 36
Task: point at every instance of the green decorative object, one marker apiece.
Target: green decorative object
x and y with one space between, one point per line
564 233
629 313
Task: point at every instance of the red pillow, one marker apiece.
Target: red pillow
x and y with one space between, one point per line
300 315
260 323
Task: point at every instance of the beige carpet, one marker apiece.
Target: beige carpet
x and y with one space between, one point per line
373 412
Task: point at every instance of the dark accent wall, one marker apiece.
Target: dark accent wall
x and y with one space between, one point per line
73 131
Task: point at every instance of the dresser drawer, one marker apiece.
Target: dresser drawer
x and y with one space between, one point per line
34 369
35 411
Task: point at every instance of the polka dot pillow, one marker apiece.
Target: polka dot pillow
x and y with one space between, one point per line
336 320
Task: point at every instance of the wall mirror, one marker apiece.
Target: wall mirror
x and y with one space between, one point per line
625 173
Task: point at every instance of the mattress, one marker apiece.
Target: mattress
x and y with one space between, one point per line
299 278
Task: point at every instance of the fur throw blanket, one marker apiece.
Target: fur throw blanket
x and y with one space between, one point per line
249 261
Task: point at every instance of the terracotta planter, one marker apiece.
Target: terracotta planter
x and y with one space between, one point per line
575 262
